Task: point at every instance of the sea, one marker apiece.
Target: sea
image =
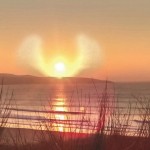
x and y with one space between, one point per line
84 107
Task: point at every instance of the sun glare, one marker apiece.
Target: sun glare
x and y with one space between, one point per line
59 69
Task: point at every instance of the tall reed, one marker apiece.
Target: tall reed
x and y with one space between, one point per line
111 130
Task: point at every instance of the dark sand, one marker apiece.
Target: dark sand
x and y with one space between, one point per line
28 139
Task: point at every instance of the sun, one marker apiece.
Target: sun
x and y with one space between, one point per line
59 69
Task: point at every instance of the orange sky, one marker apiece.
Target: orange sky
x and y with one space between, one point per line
122 30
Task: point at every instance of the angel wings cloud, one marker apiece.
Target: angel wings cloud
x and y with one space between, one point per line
31 54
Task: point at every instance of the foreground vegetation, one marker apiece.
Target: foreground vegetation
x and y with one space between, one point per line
111 132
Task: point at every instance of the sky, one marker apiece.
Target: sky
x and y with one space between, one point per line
120 28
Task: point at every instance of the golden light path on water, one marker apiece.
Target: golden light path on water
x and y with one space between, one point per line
70 116
60 107
66 120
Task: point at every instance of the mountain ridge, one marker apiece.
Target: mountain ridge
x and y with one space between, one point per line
30 79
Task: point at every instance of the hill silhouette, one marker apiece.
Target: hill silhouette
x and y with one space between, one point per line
29 79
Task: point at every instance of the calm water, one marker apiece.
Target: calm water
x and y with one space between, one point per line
74 107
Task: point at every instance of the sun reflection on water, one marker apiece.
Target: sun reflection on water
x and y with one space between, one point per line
59 107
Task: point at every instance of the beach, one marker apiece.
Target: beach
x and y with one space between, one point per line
71 110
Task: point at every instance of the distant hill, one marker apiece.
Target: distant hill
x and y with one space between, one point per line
28 79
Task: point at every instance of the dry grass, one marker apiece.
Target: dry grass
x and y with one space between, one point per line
4 110
111 130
